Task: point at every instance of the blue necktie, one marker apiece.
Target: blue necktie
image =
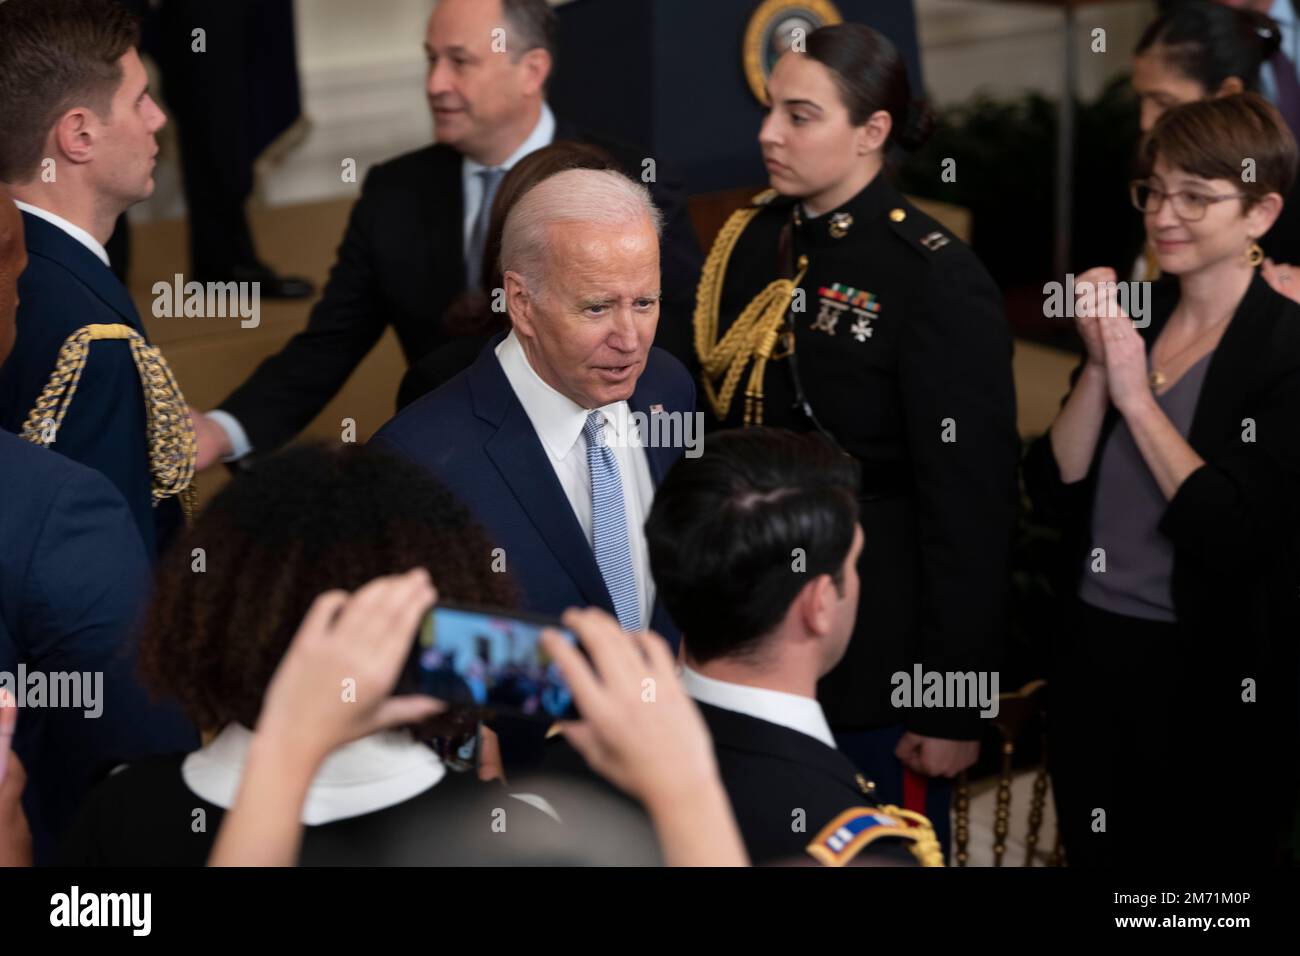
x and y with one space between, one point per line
478 235
1288 90
609 525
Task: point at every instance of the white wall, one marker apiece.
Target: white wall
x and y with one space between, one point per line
362 69
1006 48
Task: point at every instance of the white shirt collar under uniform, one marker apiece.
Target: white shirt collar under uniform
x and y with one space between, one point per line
378 771
472 186
73 230
557 419
803 714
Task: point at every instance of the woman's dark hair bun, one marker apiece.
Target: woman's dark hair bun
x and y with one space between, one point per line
919 127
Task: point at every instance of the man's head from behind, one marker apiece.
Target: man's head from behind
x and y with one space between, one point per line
74 102
580 261
754 548
488 65
13 260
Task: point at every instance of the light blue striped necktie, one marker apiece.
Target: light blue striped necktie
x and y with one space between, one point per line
609 525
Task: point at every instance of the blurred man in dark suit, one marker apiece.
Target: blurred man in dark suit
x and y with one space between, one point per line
73 579
416 235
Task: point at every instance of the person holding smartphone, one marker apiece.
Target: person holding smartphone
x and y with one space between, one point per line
308 520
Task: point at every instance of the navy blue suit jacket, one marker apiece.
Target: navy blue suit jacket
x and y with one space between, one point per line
64 288
474 435
73 582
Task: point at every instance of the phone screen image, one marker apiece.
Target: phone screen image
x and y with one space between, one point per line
491 661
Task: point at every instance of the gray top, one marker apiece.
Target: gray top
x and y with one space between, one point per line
1126 514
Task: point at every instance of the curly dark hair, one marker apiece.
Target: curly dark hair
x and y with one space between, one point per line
301 522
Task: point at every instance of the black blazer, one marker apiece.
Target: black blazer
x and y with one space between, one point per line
402 262
785 788
1235 521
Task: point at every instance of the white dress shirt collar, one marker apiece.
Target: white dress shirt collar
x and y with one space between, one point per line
557 419
542 135
378 771
803 714
73 230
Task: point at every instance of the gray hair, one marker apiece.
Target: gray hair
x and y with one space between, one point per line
533 24
598 196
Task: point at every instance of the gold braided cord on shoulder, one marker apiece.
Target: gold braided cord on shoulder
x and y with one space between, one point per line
751 337
168 426
925 847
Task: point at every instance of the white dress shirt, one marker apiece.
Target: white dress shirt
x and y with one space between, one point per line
803 714
75 231
558 422
472 186
378 771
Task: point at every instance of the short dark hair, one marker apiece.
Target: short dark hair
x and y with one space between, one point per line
727 528
54 55
533 24
1208 42
871 76
301 522
1210 138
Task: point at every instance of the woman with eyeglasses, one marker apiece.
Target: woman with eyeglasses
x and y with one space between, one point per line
1198 50
1173 469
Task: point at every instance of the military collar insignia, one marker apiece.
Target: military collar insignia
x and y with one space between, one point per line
935 241
836 299
840 223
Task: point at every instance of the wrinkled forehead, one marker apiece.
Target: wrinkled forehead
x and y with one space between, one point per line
586 257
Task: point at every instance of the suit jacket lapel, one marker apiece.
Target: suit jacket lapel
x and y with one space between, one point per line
660 459
518 455
1230 366
48 240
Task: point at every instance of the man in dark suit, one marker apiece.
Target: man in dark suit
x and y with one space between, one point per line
415 238
754 548
73 579
73 170
556 436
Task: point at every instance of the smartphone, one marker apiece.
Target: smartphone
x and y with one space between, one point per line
490 661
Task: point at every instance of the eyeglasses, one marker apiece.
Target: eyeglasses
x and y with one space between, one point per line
1188 206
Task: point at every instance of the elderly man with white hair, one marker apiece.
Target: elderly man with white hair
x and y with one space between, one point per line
540 437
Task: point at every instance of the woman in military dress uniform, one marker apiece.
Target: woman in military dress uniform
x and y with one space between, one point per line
833 304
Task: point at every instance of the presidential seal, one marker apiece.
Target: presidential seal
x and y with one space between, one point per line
775 27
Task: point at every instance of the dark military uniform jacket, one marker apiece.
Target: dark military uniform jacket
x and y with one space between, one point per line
903 355
794 795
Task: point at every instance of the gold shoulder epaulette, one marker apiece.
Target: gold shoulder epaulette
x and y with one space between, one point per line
844 837
752 336
765 197
169 428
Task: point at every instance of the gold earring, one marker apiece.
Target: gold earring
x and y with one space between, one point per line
1255 254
